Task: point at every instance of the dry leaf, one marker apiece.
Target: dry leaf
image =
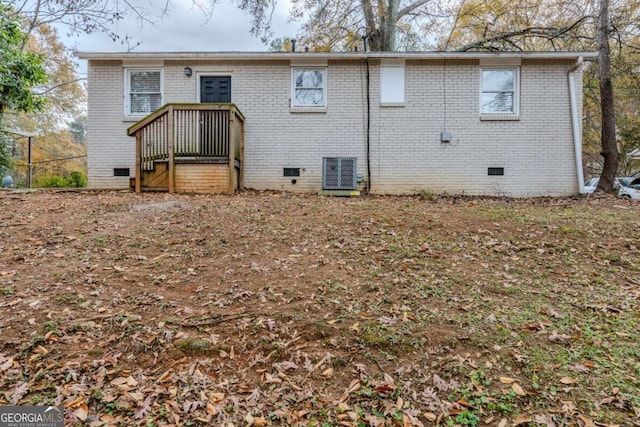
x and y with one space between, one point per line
431 416
144 409
249 419
389 321
568 380
82 412
384 388
544 420
354 385
216 397
507 380
6 365
554 336
259 422
211 410
518 390
19 392
586 421
137 396
119 381
164 377
328 373
520 420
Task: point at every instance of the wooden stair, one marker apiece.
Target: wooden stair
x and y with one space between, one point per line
158 178
190 148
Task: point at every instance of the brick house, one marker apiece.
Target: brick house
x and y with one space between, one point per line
391 123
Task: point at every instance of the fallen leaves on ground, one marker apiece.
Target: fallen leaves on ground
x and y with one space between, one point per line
270 308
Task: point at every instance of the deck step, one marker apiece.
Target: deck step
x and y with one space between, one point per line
339 193
155 189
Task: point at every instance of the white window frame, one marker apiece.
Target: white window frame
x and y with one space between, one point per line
324 88
516 92
127 89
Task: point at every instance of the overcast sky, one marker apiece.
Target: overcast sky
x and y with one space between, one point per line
185 29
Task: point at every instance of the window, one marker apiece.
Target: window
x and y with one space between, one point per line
121 172
499 94
144 92
309 87
392 84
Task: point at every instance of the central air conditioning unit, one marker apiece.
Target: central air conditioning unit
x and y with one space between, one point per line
339 173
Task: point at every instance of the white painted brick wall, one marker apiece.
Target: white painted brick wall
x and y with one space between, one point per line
108 146
406 154
536 151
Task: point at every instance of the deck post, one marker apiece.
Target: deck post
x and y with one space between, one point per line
241 171
232 151
170 141
29 161
138 185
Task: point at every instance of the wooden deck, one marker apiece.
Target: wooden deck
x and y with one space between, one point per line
188 148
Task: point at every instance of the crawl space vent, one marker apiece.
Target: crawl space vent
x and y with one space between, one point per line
291 171
495 171
339 173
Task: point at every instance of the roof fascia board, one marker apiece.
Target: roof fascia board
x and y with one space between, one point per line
393 62
142 62
309 62
488 62
294 56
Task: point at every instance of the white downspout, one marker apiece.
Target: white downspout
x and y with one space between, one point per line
575 124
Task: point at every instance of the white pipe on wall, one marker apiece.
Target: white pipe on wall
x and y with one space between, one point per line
575 124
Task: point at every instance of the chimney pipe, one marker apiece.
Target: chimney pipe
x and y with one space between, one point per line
293 45
364 43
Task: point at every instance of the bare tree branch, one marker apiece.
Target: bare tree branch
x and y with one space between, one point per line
549 33
410 8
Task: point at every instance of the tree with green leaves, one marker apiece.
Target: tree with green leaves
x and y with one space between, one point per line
20 71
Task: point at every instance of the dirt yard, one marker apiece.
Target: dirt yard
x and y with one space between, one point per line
265 309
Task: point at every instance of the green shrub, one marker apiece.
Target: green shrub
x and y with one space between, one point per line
73 179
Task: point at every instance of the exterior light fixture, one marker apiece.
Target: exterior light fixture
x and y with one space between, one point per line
188 71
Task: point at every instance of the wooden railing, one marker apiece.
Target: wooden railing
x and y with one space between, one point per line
194 131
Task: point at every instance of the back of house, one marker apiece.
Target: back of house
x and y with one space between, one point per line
500 124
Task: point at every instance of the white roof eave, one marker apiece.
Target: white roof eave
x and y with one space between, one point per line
325 55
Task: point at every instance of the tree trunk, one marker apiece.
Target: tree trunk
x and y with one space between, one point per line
608 138
381 27
388 18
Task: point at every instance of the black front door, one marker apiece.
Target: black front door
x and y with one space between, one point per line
214 129
215 89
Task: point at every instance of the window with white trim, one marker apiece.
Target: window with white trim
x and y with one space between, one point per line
499 93
309 87
144 91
